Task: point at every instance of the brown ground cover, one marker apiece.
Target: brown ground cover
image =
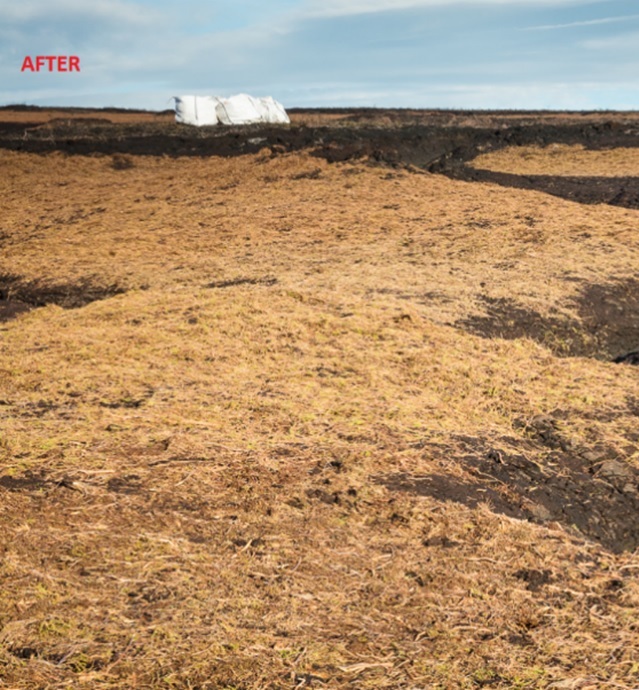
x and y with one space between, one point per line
273 422
560 159
28 116
322 117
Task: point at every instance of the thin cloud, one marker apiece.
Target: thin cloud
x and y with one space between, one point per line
110 10
586 22
627 41
337 8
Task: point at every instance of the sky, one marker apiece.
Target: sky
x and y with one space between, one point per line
472 54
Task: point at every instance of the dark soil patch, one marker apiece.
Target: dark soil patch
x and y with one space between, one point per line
18 295
608 324
592 491
616 191
232 282
426 139
628 358
610 312
28 482
534 579
448 488
9 309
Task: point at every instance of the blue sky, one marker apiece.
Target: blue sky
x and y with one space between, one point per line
557 54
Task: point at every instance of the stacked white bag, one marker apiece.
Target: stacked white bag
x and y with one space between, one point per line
196 110
273 111
236 110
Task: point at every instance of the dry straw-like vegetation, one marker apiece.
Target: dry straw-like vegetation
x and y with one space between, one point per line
561 159
201 476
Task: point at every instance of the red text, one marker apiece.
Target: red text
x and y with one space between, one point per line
51 63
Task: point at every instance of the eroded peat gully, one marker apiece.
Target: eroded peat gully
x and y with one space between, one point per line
437 141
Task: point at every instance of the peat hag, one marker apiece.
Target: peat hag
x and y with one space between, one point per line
426 141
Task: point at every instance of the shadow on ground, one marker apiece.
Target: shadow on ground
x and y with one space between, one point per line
18 295
540 477
607 327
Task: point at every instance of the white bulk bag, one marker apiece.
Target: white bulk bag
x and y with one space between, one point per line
238 110
196 110
272 111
